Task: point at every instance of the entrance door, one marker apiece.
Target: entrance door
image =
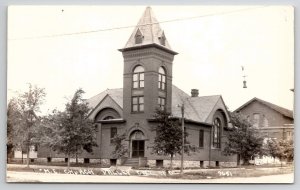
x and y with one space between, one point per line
138 148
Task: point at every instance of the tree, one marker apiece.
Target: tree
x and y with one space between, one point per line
50 129
243 139
23 121
120 150
13 115
72 131
271 148
168 140
281 149
288 149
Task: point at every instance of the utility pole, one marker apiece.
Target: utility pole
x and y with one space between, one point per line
182 125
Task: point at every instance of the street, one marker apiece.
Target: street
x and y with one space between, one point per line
13 176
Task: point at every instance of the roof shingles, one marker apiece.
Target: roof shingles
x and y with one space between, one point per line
150 29
196 108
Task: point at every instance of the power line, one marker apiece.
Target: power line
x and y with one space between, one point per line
132 26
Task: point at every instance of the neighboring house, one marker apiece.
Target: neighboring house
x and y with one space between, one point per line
21 156
147 85
272 120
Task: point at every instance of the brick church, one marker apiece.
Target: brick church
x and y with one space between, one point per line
147 85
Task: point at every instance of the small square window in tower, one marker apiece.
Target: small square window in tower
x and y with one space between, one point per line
137 104
138 37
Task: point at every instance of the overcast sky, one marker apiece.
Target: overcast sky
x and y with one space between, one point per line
213 43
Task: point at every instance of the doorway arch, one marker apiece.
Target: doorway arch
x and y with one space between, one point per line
137 144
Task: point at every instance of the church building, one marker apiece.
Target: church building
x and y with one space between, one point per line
147 85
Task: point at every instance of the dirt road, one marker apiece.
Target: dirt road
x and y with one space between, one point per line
13 176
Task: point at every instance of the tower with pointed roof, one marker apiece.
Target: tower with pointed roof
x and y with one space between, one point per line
147 85
148 63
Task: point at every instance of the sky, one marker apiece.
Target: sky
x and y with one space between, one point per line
63 48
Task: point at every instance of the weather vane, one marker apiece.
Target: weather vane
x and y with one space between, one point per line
244 76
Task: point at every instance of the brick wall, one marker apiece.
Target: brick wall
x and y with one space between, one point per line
151 59
274 118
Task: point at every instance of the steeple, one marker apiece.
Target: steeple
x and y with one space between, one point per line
147 76
147 33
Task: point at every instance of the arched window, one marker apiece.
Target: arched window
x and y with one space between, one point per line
161 78
138 77
108 118
265 121
256 120
107 114
216 133
137 135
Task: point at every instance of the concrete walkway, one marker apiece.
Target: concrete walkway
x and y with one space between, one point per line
13 176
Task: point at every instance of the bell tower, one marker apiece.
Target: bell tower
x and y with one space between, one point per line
148 59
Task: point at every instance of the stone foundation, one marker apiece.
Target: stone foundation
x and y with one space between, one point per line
228 164
191 164
73 160
41 160
105 162
145 162
57 159
142 162
95 161
151 163
177 164
211 164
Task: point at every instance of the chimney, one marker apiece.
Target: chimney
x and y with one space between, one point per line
194 92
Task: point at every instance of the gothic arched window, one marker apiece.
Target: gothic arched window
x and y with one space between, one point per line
138 77
216 132
161 78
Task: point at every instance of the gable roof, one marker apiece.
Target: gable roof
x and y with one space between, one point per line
196 108
151 32
283 111
116 94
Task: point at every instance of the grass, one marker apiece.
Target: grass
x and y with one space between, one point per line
254 172
194 173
